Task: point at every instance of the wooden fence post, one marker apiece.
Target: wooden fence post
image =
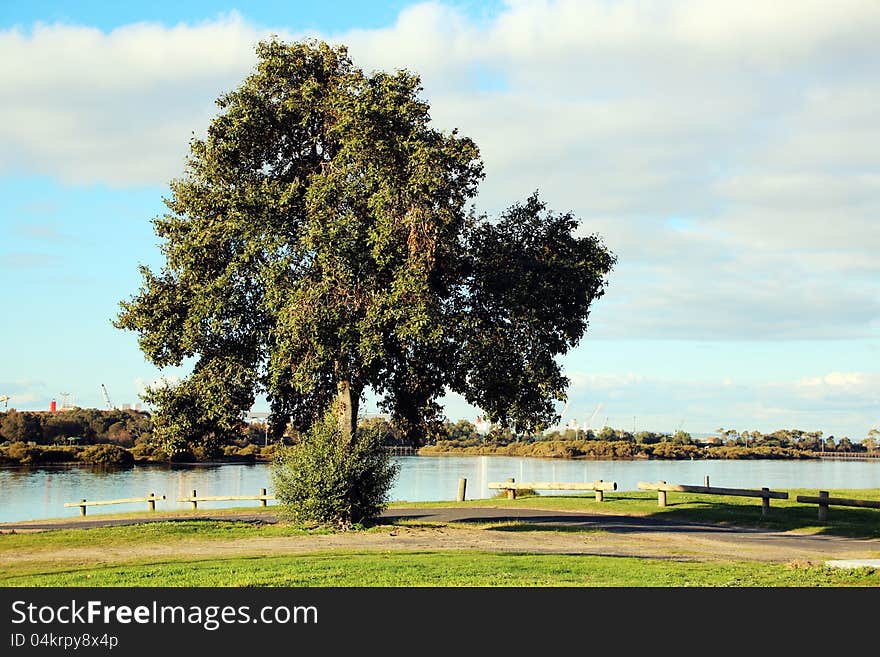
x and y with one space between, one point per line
823 506
600 495
462 487
765 502
82 508
511 492
262 497
661 494
706 481
151 500
194 503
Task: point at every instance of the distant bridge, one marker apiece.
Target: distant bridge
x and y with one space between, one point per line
848 456
402 450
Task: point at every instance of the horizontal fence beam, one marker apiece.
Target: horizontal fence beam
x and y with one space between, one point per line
83 503
224 498
662 488
126 500
195 498
839 501
712 490
824 501
554 485
511 486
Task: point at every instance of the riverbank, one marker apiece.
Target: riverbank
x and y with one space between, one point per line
20 453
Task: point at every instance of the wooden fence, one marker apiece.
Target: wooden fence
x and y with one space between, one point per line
662 488
83 503
824 501
512 487
195 498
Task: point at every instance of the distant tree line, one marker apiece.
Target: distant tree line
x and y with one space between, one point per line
464 433
133 431
82 426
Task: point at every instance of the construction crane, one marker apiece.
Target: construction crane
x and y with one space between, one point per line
106 397
589 423
5 399
564 411
560 426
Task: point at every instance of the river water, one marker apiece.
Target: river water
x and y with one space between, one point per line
38 493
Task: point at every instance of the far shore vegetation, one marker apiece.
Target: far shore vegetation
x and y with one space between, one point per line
125 437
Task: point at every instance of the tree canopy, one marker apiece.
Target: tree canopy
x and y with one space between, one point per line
321 243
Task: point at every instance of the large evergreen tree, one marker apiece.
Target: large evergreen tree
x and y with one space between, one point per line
321 243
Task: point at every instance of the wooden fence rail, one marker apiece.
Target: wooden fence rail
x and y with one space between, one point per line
83 503
662 488
195 498
824 501
511 486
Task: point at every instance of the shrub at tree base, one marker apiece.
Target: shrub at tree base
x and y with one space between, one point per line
327 479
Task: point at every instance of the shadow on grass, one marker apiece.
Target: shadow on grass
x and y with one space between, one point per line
549 521
784 515
636 512
850 523
529 527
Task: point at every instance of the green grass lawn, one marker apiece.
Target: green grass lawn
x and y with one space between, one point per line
178 531
450 568
43 561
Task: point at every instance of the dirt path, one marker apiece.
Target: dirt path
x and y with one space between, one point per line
534 531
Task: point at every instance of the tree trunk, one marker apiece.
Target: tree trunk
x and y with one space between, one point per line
347 402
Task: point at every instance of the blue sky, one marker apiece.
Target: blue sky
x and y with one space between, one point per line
729 157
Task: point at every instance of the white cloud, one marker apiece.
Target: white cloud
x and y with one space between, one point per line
756 124
845 379
21 400
837 379
22 393
115 108
840 403
168 381
603 381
